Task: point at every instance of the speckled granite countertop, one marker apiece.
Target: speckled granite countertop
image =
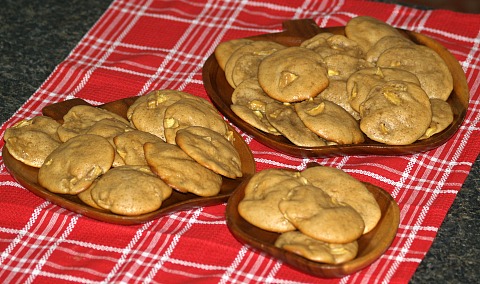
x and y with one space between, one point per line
35 36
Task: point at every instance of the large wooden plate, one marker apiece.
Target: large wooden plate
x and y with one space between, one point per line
295 31
27 176
371 245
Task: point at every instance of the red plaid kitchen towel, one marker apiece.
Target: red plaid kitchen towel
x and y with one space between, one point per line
142 45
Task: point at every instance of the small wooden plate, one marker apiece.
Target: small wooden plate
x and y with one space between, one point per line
27 176
296 31
370 246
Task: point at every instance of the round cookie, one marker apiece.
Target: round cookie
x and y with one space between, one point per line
129 146
263 192
367 31
344 45
317 215
317 41
300 77
442 117
109 128
327 44
341 66
395 113
249 102
180 171
271 179
148 112
386 43
264 213
336 92
286 120
360 83
74 165
243 62
130 191
329 121
86 198
81 117
316 250
346 189
224 50
211 150
31 140
432 72
187 112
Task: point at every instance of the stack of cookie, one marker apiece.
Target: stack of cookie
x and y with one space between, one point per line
169 140
337 89
320 212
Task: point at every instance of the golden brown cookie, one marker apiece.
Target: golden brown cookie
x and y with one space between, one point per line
367 31
74 165
395 113
317 41
263 193
211 150
317 215
187 112
86 198
129 146
224 50
432 72
244 61
360 83
442 117
80 118
344 45
180 171
249 102
327 44
147 113
316 250
300 77
130 190
329 121
286 120
109 128
336 92
31 140
346 189
386 43
341 66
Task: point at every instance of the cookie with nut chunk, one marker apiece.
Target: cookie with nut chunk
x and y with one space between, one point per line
299 78
74 165
31 140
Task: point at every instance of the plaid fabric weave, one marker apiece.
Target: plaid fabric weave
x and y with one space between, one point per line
142 45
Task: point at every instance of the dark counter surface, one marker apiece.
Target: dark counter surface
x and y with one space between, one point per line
35 36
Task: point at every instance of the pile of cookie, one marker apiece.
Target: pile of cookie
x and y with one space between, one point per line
169 140
336 89
320 212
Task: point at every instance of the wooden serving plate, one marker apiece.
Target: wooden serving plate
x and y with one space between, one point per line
370 246
27 176
296 31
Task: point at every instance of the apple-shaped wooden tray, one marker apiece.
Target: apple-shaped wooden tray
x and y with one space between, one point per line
27 176
296 31
370 246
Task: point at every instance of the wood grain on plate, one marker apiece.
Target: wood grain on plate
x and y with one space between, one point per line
296 31
27 176
370 246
